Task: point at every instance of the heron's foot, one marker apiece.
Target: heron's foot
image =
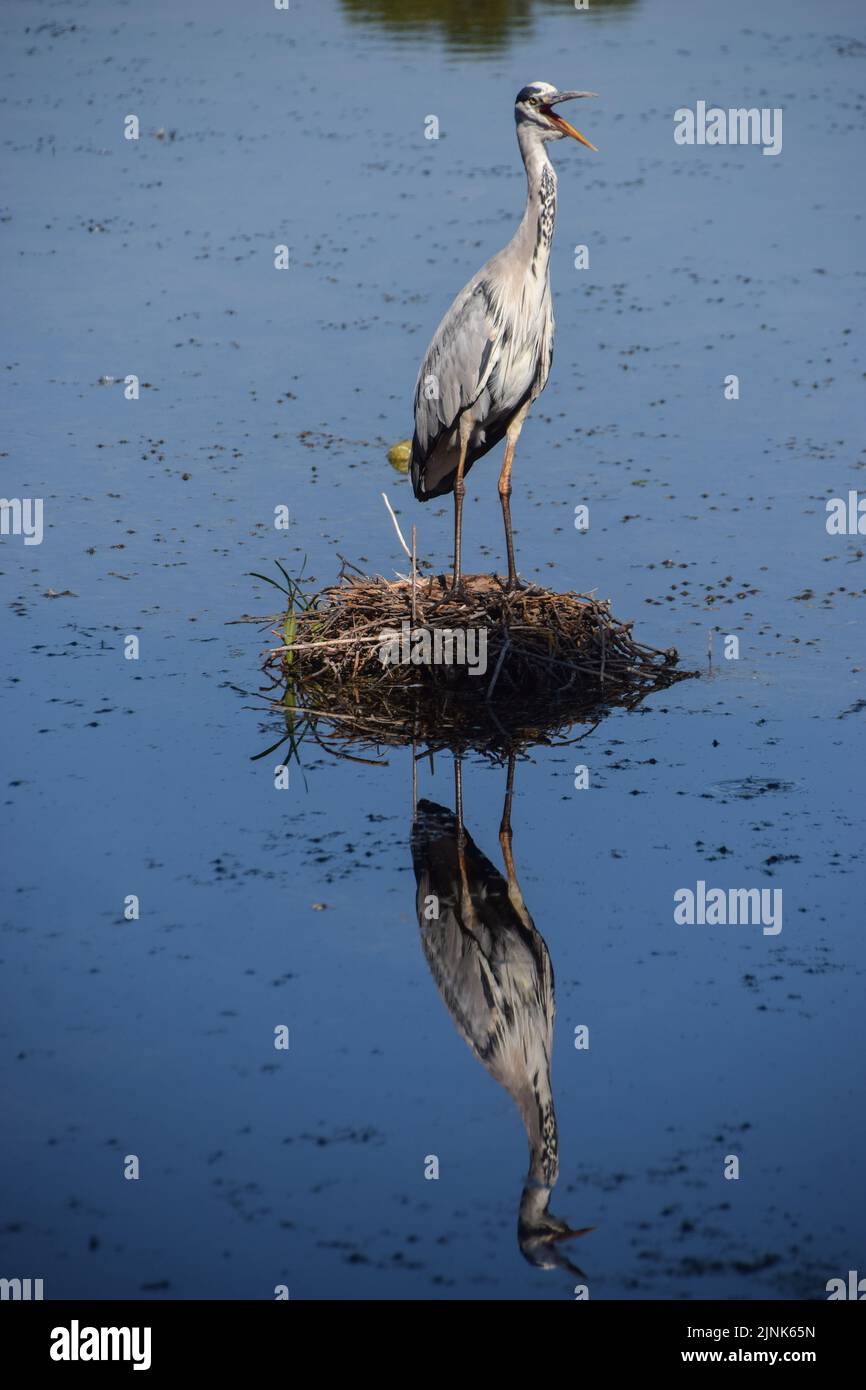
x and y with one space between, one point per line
513 585
458 591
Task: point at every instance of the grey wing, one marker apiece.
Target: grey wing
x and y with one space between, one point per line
457 365
545 350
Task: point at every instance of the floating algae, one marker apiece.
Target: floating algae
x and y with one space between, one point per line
399 455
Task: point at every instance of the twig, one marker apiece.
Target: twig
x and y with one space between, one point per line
344 561
413 575
396 526
505 646
330 642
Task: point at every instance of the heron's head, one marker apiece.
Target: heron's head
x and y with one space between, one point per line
541 1235
533 109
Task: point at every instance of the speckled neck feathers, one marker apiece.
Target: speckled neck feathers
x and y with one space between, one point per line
535 233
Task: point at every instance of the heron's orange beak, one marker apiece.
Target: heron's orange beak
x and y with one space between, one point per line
566 129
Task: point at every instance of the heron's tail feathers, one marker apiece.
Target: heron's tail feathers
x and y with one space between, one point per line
417 472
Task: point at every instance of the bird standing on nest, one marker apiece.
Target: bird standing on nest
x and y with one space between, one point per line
490 356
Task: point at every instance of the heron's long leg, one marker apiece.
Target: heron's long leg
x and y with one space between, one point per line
512 435
459 490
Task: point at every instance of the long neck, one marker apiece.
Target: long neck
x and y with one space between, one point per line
535 233
539 1119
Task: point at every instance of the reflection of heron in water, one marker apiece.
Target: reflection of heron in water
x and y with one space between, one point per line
493 970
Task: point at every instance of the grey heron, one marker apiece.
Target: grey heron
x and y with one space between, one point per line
493 971
490 356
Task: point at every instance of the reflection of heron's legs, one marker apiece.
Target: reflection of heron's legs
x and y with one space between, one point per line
459 490
414 784
511 436
505 833
505 837
465 898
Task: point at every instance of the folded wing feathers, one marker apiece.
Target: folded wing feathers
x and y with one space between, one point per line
458 363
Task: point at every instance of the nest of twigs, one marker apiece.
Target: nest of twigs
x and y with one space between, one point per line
391 661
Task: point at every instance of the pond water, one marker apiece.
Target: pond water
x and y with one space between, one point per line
261 907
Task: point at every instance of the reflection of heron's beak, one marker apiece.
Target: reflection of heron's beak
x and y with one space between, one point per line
562 124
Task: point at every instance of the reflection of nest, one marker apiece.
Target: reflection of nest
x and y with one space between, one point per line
550 660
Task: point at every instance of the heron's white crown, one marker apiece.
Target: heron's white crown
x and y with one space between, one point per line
543 91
